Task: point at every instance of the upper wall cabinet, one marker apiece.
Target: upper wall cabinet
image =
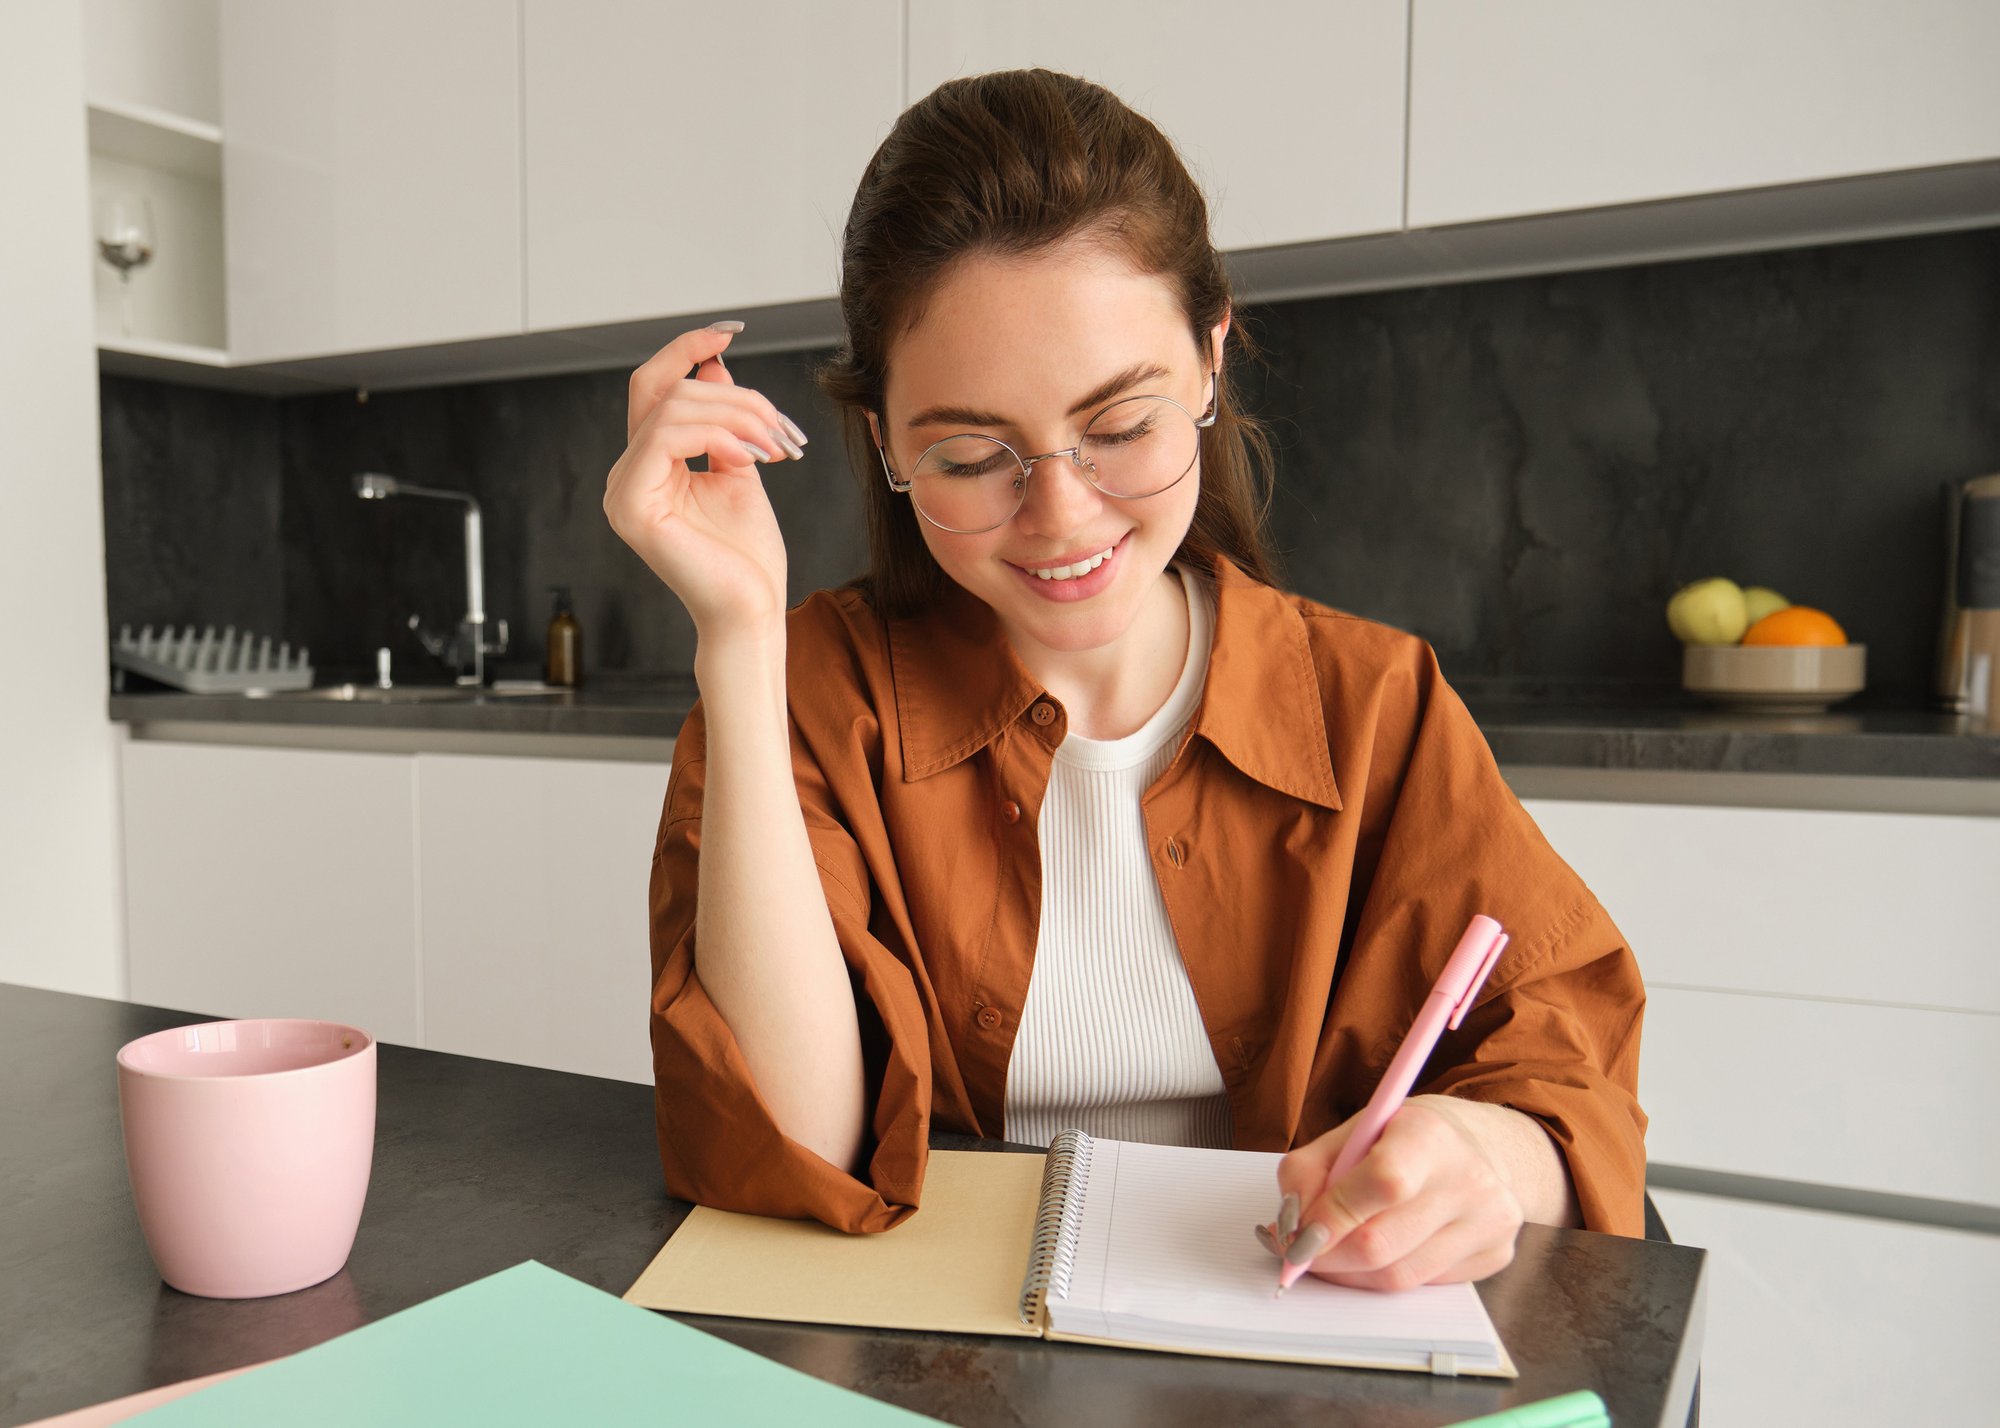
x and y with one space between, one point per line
1572 104
1289 112
372 169
685 158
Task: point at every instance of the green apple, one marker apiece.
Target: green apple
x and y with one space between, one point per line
1759 601
1709 612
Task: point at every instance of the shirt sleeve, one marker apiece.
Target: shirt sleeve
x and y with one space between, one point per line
719 1145
1554 1033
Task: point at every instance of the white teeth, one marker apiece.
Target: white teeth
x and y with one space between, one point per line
1070 572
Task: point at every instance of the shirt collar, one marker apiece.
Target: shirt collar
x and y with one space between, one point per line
959 683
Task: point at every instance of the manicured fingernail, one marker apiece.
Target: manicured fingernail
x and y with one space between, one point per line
757 451
792 448
1311 1240
793 427
1288 1217
732 325
1270 1241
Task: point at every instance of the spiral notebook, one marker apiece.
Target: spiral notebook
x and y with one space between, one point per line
1100 1241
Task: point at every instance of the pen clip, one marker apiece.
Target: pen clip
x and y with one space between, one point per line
1478 978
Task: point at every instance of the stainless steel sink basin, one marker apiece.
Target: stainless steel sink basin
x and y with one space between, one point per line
407 693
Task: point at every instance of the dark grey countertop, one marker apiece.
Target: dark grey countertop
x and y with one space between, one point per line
1666 733
480 1165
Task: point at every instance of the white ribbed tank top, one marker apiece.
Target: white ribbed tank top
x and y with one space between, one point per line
1111 1039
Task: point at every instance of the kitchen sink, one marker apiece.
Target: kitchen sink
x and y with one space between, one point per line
408 693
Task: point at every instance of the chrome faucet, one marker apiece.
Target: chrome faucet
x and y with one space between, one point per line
468 644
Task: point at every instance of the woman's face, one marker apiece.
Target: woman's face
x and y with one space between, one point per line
1018 343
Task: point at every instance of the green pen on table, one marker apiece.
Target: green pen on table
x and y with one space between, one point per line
1571 1410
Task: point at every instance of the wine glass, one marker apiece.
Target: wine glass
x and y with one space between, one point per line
125 241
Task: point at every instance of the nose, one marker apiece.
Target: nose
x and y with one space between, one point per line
1059 500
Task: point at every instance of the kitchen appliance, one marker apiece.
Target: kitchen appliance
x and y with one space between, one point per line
1968 670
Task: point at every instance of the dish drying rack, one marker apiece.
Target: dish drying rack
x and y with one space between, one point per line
206 663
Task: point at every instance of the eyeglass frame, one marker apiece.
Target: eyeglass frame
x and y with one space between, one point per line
1081 462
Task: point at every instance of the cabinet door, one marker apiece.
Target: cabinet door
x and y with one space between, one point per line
684 158
1870 907
371 174
534 909
1288 112
1838 1321
272 882
1567 104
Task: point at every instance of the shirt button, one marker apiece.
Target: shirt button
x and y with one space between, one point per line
989 1017
1010 812
1043 713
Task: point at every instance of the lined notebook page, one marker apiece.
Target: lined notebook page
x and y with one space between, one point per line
1165 1255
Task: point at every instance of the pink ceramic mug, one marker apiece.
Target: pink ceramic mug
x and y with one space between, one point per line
250 1145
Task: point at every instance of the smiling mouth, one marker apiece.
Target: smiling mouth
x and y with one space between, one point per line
1074 569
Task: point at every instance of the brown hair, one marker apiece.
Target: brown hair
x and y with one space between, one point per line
1010 164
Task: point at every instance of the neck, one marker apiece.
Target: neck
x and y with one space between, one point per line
1113 690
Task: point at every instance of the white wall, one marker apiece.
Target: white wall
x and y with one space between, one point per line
61 923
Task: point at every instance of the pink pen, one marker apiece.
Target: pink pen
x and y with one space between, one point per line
1457 988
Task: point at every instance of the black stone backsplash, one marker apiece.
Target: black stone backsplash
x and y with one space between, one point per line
1519 470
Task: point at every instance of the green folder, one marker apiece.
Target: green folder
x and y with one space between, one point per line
525 1346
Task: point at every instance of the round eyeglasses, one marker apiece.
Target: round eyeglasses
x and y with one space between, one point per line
1137 446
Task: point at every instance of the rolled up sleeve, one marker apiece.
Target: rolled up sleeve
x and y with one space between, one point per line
719 1144
1555 1032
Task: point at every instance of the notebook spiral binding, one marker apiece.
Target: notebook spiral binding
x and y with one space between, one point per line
1052 1255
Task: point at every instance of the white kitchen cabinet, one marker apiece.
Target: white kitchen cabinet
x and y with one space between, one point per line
272 882
1288 112
1821 987
1872 1098
1839 1321
1575 104
534 916
1870 907
684 158
372 174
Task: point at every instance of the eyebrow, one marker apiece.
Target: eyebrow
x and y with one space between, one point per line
971 416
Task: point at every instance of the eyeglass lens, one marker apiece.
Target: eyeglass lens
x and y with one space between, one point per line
1136 447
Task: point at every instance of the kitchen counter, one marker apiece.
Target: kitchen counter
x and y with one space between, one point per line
480 1165
1597 734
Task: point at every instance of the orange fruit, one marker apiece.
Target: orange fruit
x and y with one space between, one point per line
1796 625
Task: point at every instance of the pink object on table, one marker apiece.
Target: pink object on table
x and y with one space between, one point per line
250 1145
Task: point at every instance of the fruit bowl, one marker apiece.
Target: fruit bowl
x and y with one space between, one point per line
1782 679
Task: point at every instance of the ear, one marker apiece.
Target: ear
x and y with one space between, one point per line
874 428
1216 335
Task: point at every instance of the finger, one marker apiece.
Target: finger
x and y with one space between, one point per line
669 365
747 422
1397 1169
1461 1250
790 437
1390 1236
682 442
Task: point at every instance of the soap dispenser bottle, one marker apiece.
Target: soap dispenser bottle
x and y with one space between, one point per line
565 657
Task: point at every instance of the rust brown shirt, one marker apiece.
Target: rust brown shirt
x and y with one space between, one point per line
1330 822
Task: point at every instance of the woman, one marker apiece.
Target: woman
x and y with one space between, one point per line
1065 815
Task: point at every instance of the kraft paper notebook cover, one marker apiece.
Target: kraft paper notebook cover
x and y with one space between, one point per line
1100 1241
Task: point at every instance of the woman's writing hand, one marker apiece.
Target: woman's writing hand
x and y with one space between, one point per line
710 535
1428 1204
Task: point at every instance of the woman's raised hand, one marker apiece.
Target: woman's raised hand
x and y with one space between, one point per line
710 535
